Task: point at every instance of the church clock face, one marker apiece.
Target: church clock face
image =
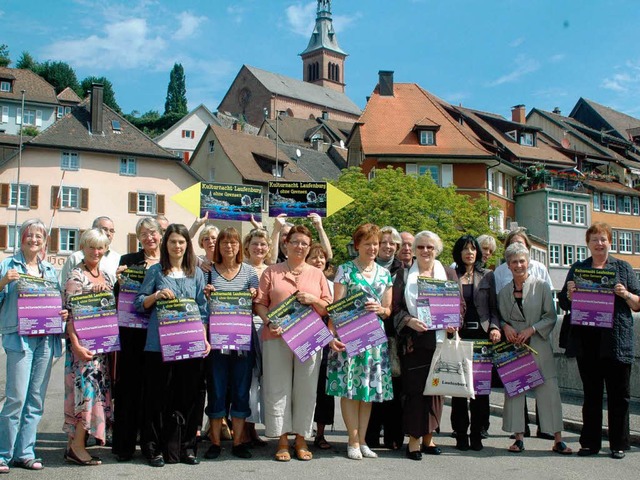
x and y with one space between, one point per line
244 97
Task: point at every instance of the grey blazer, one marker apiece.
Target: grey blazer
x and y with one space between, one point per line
539 312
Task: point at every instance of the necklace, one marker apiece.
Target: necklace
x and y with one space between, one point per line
90 272
467 277
150 257
293 272
365 269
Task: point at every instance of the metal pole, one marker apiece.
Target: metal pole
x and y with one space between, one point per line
15 218
277 140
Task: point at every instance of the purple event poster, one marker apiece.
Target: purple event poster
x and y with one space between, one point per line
302 328
131 279
180 329
39 305
96 321
482 365
230 321
357 328
517 368
297 199
438 303
592 302
231 202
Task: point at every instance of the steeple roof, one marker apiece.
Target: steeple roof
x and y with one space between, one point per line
323 36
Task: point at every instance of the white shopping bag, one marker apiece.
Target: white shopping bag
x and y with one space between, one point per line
451 371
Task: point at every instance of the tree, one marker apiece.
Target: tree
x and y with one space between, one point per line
27 62
60 75
407 203
176 101
108 95
5 60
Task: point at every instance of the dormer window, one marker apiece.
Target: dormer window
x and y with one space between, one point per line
427 137
5 86
526 139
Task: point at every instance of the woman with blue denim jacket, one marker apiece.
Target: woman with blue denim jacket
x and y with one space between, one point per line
29 357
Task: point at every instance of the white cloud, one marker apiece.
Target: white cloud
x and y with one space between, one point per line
301 18
523 66
517 42
189 24
625 82
126 44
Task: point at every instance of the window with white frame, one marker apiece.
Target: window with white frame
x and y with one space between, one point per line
568 257
624 239
70 198
526 139
5 114
596 201
12 232
372 174
427 137
29 117
567 213
508 186
608 203
128 166
433 170
581 253
554 254
69 239
5 86
147 203
19 195
626 205
581 214
212 146
70 161
636 206
636 243
614 241
553 211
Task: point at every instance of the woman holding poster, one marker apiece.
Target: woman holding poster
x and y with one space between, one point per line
289 384
29 357
604 354
227 365
365 377
172 387
417 344
87 392
528 317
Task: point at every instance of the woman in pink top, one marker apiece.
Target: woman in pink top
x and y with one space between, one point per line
290 385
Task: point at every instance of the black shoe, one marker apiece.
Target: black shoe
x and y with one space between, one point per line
454 434
156 461
213 452
617 454
189 459
544 436
433 450
241 451
484 434
462 442
587 452
417 455
476 444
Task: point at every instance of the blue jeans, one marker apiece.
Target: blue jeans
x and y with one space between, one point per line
27 380
222 369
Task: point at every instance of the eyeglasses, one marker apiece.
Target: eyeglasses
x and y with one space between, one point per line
299 243
146 235
233 243
423 247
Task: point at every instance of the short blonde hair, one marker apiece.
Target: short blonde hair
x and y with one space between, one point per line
205 233
94 237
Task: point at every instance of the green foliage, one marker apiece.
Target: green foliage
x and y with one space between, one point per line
176 101
60 75
5 60
30 130
108 95
27 62
408 203
152 123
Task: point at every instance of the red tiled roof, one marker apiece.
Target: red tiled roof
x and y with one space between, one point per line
36 88
612 187
388 123
69 96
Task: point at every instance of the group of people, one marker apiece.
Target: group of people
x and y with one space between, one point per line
159 405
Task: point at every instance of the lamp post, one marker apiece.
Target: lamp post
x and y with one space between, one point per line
15 218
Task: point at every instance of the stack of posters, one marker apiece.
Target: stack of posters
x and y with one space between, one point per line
132 279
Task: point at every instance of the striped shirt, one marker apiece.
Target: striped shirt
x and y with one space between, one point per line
245 279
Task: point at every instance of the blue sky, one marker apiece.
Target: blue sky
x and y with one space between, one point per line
488 55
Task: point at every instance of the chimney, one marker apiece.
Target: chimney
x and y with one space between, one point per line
325 115
96 108
386 83
237 127
557 111
518 114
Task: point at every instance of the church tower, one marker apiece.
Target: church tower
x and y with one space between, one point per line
323 59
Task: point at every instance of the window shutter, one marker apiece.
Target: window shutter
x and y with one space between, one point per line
183 133
185 157
133 202
54 240
4 232
160 204
4 194
132 243
18 116
33 193
54 197
38 118
5 114
447 174
84 199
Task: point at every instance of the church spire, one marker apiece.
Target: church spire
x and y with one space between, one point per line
323 59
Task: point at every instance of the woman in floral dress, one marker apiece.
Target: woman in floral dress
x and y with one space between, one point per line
366 377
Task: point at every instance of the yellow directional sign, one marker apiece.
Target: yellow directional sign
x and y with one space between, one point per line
336 199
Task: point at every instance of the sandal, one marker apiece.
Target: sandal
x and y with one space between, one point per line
4 468
321 443
283 455
29 464
71 457
303 453
562 449
517 447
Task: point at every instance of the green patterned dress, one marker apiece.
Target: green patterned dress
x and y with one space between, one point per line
366 376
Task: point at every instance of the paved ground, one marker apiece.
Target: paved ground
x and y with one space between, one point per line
537 462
